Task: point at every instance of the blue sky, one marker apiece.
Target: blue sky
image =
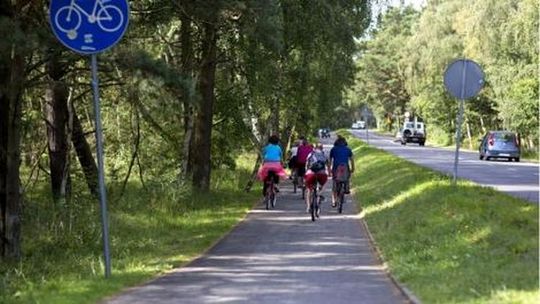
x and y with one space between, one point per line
416 3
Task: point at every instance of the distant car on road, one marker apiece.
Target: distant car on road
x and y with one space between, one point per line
324 133
500 144
361 124
355 125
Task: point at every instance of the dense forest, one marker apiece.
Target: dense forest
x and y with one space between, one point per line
401 64
194 84
191 86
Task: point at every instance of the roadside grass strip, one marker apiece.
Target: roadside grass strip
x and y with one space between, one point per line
448 244
151 231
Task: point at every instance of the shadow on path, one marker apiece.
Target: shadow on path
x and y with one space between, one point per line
280 256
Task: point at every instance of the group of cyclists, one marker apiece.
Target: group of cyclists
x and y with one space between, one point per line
310 164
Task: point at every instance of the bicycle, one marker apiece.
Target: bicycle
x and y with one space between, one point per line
69 18
340 190
341 177
294 180
270 193
315 202
303 186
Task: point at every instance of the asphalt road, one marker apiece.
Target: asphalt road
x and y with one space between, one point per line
517 179
280 256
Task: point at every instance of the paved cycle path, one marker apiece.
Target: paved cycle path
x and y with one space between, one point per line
280 256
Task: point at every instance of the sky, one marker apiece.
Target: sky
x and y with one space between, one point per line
416 3
381 5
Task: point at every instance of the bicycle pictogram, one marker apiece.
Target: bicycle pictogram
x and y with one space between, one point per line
69 18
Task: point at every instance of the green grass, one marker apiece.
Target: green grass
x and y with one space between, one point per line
151 231
448 244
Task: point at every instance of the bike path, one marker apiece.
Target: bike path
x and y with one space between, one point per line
280 256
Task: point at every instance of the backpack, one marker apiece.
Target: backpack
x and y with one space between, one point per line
341 173
317 161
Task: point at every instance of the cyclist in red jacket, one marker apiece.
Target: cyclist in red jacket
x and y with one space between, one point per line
301 157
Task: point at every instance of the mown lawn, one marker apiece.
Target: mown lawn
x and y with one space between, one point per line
152 230
448 244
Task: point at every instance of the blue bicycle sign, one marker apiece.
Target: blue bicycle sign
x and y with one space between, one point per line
89 26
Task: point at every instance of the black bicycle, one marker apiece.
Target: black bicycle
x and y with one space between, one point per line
340 191
270 192
315 202
294 180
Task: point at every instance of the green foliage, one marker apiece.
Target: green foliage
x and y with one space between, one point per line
401 65
152 230
448 244
522 112
380 79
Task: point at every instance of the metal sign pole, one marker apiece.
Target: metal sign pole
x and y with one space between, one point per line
460 118
85 36
367 133
463 79
101 177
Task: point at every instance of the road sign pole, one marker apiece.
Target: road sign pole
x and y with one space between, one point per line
367 133
86 36
459 120
458 139
101 177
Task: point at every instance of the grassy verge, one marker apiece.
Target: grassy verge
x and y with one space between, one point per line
463 244
152 230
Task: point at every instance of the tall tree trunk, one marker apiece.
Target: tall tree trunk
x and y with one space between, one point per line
288 134
469 136
203 122
187 71
482 125
11 79
276 102
274 116
253 175
56 119
4 118
84 154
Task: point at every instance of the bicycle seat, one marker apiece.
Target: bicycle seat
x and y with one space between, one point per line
271 174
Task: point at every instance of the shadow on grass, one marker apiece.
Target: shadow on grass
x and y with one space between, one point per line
151 231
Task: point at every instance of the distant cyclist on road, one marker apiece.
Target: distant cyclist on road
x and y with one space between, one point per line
292 158
301 157
272 156
341 157
317 168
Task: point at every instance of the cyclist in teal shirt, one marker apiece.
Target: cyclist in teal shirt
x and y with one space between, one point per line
272 155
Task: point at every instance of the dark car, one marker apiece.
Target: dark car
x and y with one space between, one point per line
500 144
324 133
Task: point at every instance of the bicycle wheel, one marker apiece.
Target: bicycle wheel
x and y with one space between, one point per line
68 19
295 183
268 194
273 198
341 197
313 205
110 18
318 207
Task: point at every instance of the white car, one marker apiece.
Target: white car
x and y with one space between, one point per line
355 126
